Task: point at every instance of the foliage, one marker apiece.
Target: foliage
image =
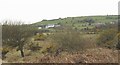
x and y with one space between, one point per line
40 37
16 34
118 44
49 48
89 20
34 47
107 38
79 21
68 39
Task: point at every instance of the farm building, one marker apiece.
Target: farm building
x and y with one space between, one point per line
50 26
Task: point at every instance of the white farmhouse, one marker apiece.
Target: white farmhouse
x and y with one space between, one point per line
39 27
112 22
50 26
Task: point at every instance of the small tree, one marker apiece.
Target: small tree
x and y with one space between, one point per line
15 34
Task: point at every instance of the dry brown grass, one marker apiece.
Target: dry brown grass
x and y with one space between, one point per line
96 55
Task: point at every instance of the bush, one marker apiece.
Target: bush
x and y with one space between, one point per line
34 47
107 38
40 37
49 48
118 44
69 40
89 20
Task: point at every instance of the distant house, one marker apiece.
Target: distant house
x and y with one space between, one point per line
112 22
50 26
57 25
41 26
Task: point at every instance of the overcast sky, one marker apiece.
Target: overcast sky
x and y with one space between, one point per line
30 11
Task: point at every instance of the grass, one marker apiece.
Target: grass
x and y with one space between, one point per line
82 46
96 55
75 19
78 21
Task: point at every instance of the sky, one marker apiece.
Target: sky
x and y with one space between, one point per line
31 11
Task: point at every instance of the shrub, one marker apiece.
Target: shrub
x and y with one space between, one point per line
34 47
40 37
49 48
107 38
69 40
89 20
118 44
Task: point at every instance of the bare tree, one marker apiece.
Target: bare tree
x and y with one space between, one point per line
16 34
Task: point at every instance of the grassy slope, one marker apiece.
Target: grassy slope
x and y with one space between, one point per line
77 22
89 56
70 20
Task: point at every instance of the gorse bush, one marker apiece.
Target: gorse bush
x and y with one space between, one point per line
40 37
49 48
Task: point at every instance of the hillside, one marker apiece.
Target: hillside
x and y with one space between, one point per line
86 39
80 22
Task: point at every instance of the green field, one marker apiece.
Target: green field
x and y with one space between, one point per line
80 22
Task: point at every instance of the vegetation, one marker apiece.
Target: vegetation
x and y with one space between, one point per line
74 40
106 38
17 35
68 39
118 41
80 22
40 37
